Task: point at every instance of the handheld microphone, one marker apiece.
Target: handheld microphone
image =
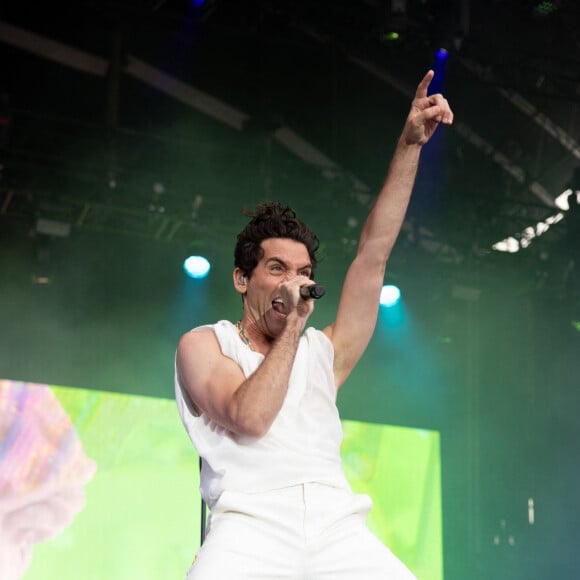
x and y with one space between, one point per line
312 291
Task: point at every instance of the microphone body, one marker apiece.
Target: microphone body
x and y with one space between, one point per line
312 291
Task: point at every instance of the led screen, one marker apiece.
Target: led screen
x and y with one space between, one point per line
98 485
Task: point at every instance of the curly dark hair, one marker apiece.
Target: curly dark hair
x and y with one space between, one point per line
271 220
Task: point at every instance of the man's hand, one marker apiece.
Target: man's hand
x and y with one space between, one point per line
426 113
290 290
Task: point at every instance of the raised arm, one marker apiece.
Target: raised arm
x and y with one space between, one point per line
359 302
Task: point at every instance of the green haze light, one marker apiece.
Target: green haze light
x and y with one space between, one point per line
391 36
545 8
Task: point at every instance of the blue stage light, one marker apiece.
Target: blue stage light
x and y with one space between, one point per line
442 53
196 267
390 295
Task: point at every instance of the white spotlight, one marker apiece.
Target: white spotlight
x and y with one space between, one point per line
196 267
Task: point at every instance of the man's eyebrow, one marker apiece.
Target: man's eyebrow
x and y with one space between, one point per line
285 264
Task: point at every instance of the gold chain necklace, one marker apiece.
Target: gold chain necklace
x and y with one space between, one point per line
242 333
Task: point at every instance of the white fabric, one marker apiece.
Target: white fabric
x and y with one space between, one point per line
303 443
304 532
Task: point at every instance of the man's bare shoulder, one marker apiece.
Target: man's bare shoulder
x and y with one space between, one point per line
200 333
209 377
199 343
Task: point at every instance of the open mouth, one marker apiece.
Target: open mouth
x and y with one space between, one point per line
278 306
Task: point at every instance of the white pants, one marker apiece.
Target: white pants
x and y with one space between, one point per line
304 532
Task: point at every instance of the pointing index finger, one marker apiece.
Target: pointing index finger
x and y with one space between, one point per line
424 85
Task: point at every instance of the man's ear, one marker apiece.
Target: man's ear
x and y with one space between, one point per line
239 281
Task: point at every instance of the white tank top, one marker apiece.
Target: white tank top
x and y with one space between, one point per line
303 443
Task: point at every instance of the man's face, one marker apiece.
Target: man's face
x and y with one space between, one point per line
283 260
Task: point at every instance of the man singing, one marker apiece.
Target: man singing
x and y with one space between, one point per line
258 397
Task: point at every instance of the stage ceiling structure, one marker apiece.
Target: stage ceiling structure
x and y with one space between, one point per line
162 119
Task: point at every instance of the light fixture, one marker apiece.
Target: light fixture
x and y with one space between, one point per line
390 295
196 267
